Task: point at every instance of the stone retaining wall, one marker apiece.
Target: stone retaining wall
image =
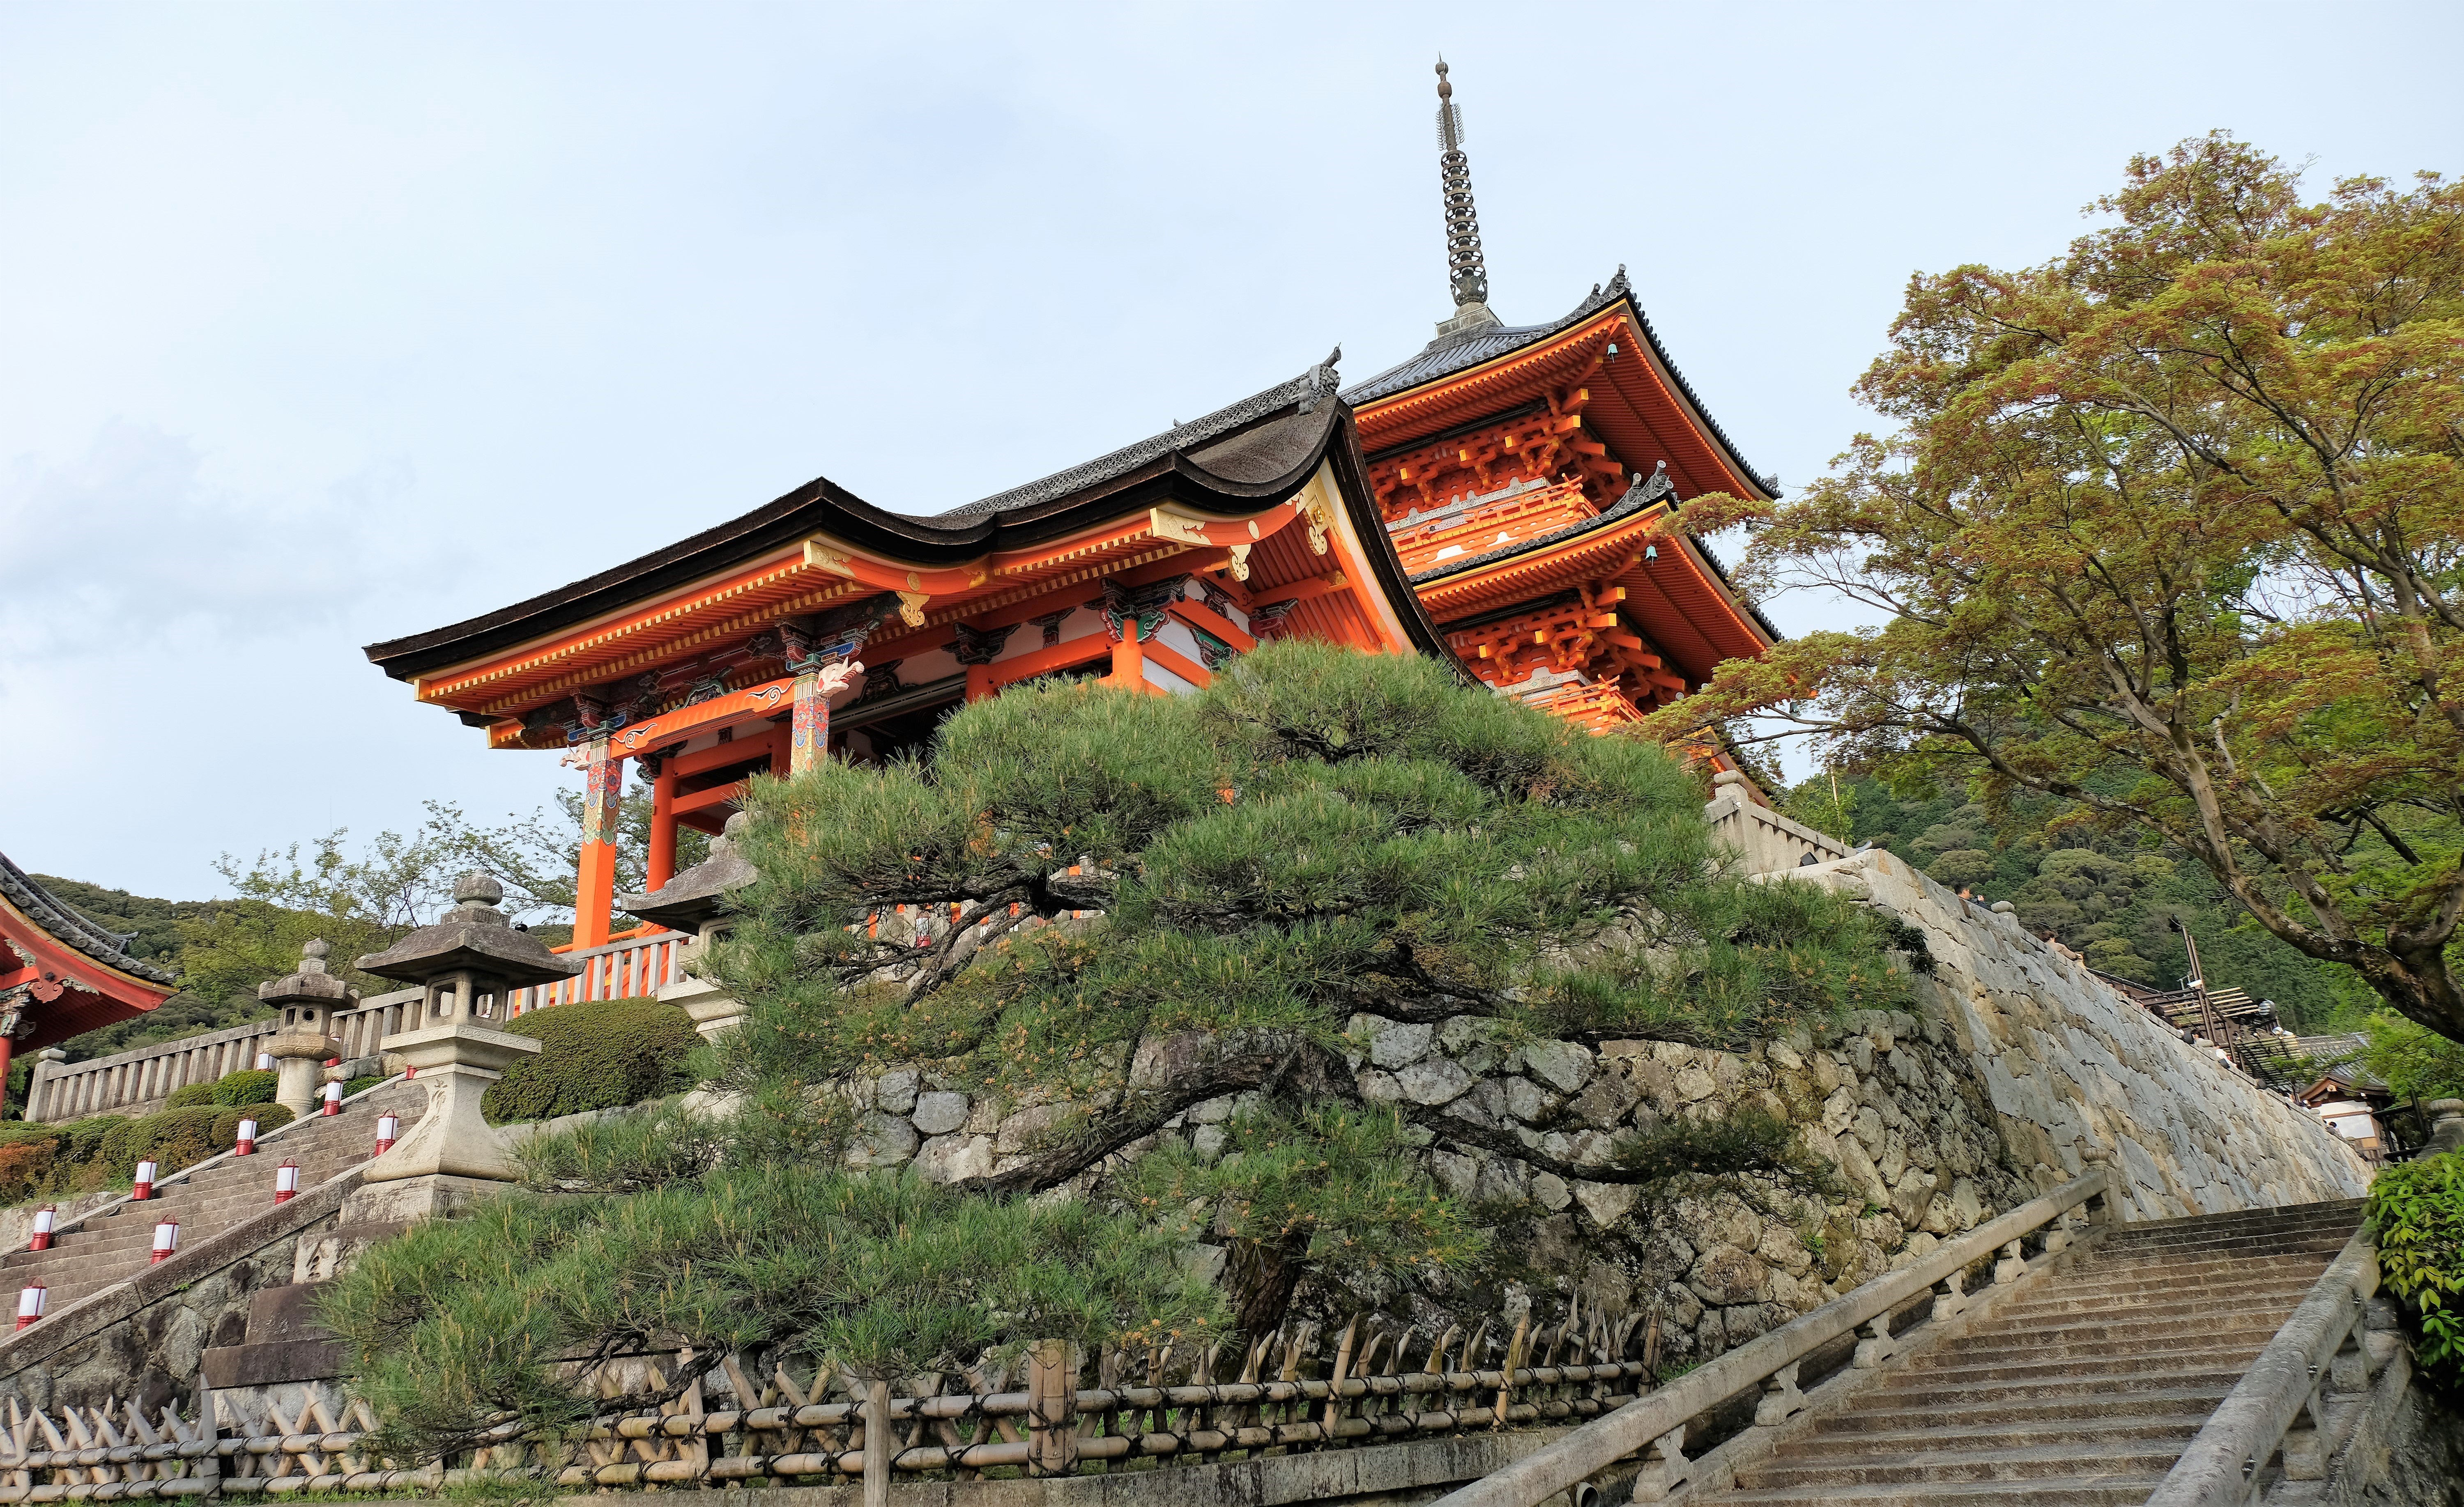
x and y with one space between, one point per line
2064 1058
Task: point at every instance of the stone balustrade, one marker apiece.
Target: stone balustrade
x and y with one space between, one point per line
137 1083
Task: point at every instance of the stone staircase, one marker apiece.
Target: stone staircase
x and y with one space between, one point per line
2083 1390
116 1242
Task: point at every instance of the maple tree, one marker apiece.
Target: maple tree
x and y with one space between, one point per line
2169 529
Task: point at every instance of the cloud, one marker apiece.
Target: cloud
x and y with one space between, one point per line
129 546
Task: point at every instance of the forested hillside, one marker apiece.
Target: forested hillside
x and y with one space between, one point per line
2103 895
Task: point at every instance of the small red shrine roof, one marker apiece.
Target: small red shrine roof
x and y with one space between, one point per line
67 973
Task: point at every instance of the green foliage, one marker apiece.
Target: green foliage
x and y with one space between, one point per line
249 1086
594 1054
2166 531
191 1094
1330 1188
2413 1060
1699 1152
173 1138
2416 1215
462 1321
268 1117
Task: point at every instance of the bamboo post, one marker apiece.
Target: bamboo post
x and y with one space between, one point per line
1052 1409
876 1443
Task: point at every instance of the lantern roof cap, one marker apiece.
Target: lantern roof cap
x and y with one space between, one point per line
698 893
311 985
473 936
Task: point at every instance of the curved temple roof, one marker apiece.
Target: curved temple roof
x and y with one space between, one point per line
1461 352
1234 462
75 975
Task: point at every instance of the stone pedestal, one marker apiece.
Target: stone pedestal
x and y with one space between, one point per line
713 1010
456 1062
299 1069
2447 1124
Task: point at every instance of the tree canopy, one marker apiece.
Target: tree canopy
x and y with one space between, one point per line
2168 531
1100 911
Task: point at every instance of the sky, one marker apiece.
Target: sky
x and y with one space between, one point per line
321 326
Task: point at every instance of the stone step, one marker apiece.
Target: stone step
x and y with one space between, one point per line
2347 1211
2322 1239
1864 1415
2087 1488
2059 1304
2108 1328
1941 1391
2096 1362
1939 1466
2028 1434
2123 1284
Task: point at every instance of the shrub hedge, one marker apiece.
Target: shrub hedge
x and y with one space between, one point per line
45 1161
249 1085
2416 1212
595 1055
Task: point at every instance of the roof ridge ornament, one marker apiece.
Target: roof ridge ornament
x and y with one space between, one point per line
1466 269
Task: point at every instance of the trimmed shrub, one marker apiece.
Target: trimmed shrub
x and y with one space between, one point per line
249 1086
25 1167
360 1085
226 1129
190 1096
2416 1213
597 1054
173 1138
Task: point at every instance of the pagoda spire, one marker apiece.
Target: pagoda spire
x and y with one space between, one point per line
1465 267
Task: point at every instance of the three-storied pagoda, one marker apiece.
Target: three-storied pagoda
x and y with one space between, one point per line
1532 476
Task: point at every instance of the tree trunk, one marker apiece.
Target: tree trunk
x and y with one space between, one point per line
1260 1280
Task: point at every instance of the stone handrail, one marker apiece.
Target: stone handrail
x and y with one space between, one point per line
1765 842
1657 1421
2319 1348
137 1081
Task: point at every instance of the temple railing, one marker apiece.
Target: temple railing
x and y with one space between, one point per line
632 964
1765 842
137 1081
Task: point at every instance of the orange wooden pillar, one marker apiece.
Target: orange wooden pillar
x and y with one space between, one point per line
1128 660
661 863
594 899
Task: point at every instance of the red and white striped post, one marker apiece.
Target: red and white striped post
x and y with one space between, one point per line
30 1298
144 1188
286 1181
166 1239
333 1099
245 1144
389 1131
44 1218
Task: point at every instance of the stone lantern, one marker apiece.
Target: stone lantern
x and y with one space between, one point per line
694 901
305 1040
468 964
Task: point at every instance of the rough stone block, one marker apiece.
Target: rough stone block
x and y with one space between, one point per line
940 1112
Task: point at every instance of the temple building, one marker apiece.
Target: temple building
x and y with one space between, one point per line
1505 499
60 974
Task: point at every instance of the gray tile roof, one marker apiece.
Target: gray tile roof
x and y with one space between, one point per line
46 911
1459 352
1305 390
